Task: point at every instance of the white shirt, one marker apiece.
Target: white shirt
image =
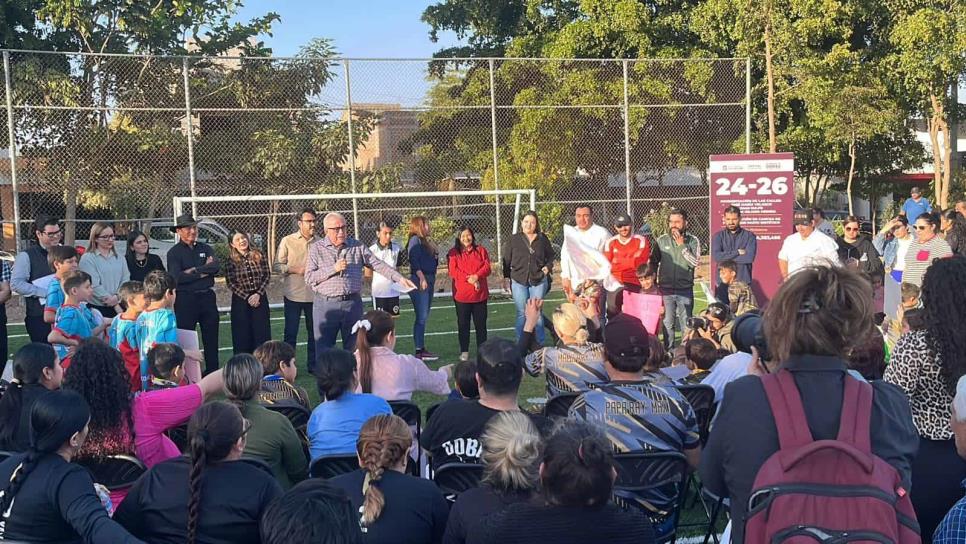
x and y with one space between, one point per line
596 236
901 249
383 287
816 250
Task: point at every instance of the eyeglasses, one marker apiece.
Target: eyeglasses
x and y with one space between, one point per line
922 227
851 229
52 234
107 237
336 228
246 426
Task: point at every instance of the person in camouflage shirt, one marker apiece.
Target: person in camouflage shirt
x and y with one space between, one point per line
741 299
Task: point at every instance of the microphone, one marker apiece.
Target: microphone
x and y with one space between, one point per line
342 252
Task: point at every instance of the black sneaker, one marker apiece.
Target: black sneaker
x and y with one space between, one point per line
426 355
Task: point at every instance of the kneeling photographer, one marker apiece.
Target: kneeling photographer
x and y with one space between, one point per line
715 324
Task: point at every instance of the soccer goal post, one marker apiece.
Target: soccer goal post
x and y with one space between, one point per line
492 214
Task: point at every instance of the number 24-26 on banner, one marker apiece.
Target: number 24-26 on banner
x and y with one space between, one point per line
762 186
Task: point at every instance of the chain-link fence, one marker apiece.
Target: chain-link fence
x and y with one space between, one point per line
117 137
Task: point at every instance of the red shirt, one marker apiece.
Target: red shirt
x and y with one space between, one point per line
625 258
463 264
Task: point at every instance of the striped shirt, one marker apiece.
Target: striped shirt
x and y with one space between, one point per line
320 274
569 369
920 255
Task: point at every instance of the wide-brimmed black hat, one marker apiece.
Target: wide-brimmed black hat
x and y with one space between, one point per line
183 221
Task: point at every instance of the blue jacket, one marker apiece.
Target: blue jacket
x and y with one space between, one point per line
888 248
421 258
725 246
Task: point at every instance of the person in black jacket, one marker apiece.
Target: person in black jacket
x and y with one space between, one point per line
528 269
212 495
140 260
36 371
45 497
857 251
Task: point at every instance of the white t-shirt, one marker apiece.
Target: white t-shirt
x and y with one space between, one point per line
901 249
383 287
596 237
816 250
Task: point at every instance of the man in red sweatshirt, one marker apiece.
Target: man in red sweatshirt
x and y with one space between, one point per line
625 251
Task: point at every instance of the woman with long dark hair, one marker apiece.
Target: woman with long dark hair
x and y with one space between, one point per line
423 262
45 497
953 225
122 423
212 495
139 258
926 248
36 371
387 374
247 276
469 268
527 268
926 364
418 510
577 481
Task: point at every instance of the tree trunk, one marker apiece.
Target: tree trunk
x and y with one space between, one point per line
769 71
848 186
272 232
70 211
941 154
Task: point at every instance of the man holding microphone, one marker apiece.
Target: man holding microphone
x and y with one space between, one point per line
334 273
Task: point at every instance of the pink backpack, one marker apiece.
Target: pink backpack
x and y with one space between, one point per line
830 491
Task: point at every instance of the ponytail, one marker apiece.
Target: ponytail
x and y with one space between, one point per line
212 433
384 441
371 331
28 368
11 405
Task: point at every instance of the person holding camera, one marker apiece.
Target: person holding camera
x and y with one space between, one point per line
816 318
715 324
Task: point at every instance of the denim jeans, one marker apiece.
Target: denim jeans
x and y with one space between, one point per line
293 318
522 293
422 302
678 306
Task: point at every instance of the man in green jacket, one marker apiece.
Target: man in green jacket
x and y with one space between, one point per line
680 251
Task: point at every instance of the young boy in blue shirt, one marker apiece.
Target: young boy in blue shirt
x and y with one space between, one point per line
157 324
63 259
74 320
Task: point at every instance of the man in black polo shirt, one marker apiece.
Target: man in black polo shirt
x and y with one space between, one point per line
31 264
452 435
194 267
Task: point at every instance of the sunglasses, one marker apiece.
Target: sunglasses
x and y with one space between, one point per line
922 227
851 229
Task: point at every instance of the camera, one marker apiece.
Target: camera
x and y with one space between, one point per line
698 323
748 332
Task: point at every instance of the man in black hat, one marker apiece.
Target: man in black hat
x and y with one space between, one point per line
194 267
635 413
806 247
626 252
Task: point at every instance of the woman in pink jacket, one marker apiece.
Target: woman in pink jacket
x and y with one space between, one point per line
388 374
469 267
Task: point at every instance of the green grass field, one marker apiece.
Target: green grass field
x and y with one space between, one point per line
440 338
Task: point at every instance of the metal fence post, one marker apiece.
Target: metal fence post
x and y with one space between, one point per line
11 135
191 138
627 141
496 167
748 105
352 149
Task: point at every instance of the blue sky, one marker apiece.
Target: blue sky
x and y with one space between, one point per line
359 28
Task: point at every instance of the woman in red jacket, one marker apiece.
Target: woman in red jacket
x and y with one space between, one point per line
469 267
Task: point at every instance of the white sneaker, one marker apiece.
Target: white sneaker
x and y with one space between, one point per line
465 356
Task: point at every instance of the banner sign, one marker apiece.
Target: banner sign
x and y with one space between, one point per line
762 186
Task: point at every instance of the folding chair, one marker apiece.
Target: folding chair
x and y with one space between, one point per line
330 466
114 471
558 406
455 478
295 412
653 482
411 414
4 455
701 399
431 410
179 435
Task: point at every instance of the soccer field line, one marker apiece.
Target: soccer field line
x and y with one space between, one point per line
223 322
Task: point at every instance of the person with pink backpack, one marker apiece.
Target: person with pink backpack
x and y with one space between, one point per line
805 450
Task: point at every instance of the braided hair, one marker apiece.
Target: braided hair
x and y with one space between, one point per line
29 364
384 441
54 419
213 431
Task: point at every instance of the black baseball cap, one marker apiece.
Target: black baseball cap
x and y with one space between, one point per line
802 217
622 220
625 336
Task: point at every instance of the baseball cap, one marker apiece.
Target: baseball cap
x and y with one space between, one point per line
916 191
802 217
499 364
625 336
622 220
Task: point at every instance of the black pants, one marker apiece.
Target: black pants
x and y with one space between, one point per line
250 327
37 330
293 317
465 310
200 308
4 344
937 473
